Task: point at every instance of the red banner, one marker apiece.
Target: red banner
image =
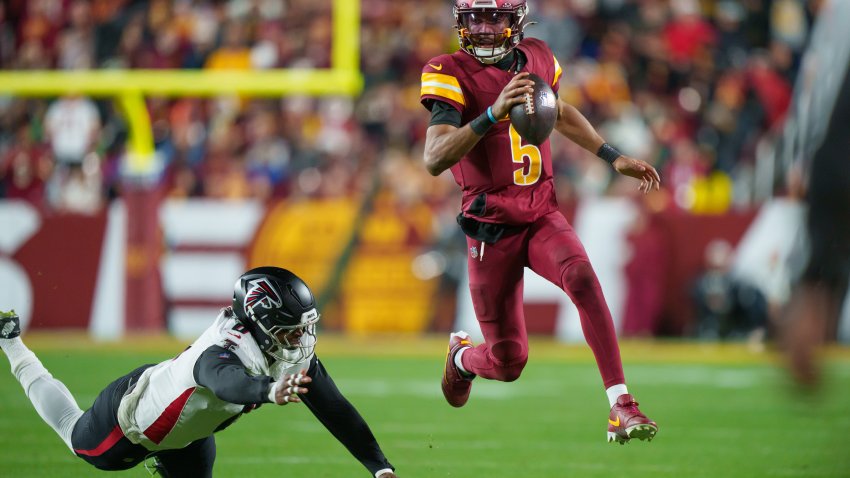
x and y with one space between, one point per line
62 260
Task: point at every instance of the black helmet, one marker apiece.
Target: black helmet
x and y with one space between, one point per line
270 300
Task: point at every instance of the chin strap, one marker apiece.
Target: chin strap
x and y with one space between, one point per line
490 60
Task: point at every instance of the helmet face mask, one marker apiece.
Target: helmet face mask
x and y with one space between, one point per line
292 343
279 310
489 29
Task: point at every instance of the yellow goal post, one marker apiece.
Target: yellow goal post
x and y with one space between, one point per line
130 87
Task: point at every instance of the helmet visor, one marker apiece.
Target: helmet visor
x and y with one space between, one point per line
480 19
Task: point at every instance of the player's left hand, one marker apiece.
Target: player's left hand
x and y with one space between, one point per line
639 169
388 474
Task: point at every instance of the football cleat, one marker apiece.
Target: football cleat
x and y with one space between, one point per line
455 384
10 325
626 422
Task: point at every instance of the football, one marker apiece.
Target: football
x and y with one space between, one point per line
535 118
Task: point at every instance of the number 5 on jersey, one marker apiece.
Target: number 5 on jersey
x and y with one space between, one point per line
519 152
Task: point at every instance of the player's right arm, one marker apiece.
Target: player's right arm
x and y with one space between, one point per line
446 144
221 371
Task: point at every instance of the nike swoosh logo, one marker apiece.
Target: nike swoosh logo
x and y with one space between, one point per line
613 423
437 67
235 335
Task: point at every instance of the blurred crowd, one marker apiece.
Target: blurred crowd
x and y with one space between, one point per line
698 88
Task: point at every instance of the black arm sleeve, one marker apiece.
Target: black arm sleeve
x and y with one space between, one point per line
444 113
221 371
340 417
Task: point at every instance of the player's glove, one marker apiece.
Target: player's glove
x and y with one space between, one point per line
286 390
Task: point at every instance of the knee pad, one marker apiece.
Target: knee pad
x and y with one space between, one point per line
509 358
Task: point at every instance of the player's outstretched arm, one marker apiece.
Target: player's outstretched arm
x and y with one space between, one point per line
638 169
572 124
446 144
340 417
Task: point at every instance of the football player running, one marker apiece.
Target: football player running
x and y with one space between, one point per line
509 211
816 140
260 350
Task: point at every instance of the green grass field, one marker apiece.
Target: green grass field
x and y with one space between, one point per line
722 411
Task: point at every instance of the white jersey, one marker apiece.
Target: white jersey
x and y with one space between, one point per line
167 409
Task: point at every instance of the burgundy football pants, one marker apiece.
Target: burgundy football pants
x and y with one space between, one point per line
551 248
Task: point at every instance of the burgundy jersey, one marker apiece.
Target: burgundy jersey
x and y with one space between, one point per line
516 176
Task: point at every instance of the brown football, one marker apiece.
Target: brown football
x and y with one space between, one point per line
535 118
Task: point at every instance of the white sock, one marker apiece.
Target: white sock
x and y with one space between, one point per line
614 393
459 362
50 397
16 351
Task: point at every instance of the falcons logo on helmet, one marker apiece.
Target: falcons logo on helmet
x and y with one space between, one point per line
262 294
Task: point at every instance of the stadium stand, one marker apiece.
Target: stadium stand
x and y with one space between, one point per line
698 88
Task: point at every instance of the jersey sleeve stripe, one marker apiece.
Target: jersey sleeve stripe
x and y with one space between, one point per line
558 71
440 78
434 84
443 93
441 85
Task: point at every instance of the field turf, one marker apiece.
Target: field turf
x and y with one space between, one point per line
722 411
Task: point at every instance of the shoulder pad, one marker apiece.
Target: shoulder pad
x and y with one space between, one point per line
236 338
545 64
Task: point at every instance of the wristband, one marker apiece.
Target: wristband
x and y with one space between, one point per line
381 472
481 124
490 115
608 153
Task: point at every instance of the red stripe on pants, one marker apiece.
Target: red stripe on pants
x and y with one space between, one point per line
107 443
